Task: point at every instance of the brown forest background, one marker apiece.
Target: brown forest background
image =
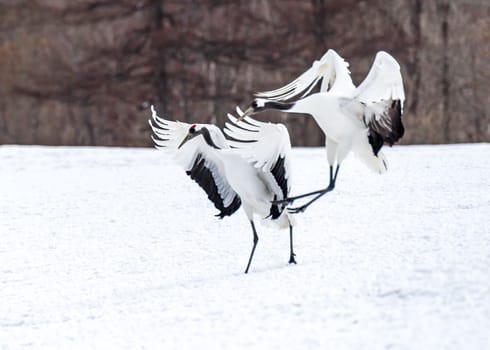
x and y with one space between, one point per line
84 72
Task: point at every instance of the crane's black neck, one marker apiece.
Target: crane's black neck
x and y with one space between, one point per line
207 137
283 106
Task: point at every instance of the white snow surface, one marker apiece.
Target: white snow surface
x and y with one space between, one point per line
110 248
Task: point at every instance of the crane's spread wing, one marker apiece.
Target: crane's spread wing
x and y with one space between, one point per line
266 146
330 69
382 95
167 134
383 82
200 165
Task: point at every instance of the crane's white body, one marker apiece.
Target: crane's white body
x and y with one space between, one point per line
344 130
333 123
248 182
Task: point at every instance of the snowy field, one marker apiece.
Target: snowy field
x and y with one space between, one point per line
117 249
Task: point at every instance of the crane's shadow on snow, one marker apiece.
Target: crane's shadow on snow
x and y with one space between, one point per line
264 269
194 282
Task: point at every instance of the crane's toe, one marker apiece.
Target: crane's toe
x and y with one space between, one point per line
292 260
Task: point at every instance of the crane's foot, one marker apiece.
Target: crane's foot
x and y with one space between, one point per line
292 260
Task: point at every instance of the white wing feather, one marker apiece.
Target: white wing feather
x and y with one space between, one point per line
383 82
258 142
167 134
331 69
266 146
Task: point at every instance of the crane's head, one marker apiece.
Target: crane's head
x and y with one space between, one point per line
194 131
256 106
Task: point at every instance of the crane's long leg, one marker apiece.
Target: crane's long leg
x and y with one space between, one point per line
292 199
256 239
292 255
331 186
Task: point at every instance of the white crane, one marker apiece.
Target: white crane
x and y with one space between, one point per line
252 169
360 119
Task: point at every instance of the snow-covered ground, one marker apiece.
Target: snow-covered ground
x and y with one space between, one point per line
117 249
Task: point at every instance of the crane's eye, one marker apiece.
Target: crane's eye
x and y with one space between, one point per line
192 129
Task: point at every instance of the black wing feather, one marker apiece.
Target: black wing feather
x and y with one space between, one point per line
204 178
279 173
389 129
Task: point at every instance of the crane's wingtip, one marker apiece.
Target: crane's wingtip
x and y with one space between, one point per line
232 118
239 111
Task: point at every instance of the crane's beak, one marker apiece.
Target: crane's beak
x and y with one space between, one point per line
187 138
243 115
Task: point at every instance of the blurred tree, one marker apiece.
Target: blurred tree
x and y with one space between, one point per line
86 71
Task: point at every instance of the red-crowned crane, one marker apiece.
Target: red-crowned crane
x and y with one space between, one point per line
251 169
354 119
